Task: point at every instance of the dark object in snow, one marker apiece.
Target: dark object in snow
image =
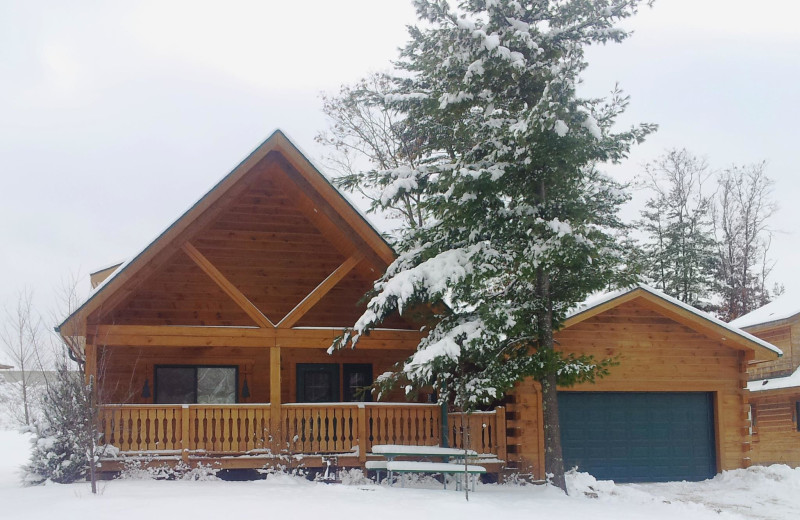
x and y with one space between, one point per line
330 473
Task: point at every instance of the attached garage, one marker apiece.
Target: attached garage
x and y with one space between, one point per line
639 436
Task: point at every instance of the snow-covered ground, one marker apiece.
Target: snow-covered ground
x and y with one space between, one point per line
758 493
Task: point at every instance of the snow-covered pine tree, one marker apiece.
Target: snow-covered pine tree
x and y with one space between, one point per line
680 250
523 225
64 445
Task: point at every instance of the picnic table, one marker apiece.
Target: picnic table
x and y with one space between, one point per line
391 451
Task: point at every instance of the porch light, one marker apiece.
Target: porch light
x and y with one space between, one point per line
146 389
245 389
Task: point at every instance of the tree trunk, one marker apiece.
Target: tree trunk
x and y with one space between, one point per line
553 457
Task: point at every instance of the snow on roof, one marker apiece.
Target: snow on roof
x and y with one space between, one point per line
781 308
775 383
601 298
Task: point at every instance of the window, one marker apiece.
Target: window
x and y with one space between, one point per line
797 414
753 415
357 379
317 382
196 384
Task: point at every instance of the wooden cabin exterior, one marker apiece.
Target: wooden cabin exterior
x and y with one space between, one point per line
775 385
212 346
675 406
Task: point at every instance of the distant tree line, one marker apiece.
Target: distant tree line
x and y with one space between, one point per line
707 234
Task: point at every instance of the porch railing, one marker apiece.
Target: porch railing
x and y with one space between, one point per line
300 428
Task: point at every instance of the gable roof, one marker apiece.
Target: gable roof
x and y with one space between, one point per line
781 308
315 183
678 311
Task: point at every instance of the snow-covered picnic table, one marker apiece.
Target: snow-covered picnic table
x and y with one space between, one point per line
392 451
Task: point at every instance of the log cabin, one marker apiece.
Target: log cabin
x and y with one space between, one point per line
211 345
775 385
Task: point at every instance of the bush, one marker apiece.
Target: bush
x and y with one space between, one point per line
63 442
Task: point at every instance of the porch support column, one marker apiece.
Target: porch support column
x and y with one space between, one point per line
445 441
90 363
275 399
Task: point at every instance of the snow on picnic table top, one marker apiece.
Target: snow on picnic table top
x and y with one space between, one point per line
400 449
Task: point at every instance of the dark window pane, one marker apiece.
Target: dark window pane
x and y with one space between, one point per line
175 385
317 382
216 385
357 379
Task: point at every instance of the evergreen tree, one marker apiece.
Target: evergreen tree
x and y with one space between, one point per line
680 250
523 225
64 446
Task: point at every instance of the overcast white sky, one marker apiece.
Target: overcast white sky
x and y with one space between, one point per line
116 116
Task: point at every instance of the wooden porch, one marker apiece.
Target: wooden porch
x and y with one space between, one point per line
257 435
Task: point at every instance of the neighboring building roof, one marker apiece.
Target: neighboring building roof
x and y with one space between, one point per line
5 367
781 308
97 277
277 141
601 302
775 383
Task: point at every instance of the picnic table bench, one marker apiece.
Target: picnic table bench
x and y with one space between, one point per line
392 451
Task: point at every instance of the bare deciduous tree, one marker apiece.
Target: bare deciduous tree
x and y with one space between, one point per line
375 148
744 206
22 340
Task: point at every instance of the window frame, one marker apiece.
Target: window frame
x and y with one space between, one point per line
797 415
302 369
195 367
354 368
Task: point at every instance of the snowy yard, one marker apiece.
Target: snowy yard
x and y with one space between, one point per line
760 493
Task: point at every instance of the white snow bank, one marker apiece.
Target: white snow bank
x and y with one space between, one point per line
758 492
781 308
775 383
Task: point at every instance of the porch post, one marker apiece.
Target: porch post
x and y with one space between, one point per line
90 362
275 399
445 428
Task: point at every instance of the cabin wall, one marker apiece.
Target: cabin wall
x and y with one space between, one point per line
122 370
787 338
381 361
776 439
655 353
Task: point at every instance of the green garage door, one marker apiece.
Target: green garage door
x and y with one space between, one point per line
639 437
